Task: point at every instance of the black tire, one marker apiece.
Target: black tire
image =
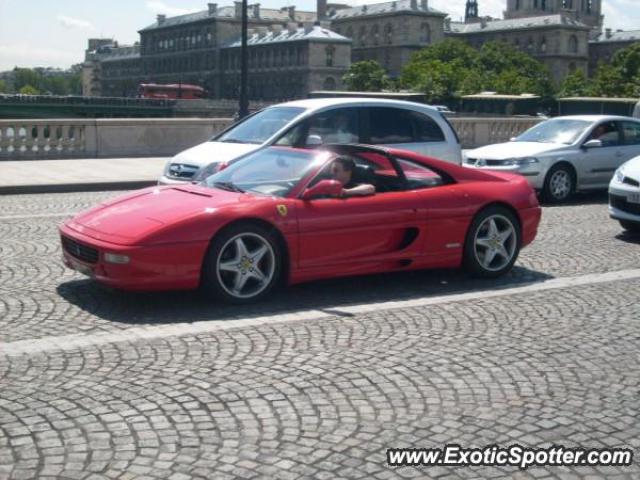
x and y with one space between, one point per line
216 282
631 227
559 184
474 255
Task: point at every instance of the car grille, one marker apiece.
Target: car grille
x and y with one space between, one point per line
620 202
80 251
182 171
484 162
631 181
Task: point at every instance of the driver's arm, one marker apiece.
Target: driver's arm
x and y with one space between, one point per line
358 191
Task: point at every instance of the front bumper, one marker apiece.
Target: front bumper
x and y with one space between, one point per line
619 206
160 267
534 173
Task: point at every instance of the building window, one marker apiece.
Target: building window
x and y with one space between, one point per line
530 44
388 34
425 33
543 45
363 36
350 32
375 34
573 44
543 4
517 4
329 84
330 50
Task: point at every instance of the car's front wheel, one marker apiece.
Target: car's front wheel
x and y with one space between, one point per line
243 264
493 242
632 227
559 184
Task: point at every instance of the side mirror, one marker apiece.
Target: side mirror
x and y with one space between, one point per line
512 139
314 140
331 188
595 143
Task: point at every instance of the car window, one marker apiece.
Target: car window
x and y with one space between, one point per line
426 129
557 130
339 125
631 133
418 175
259 127
390 125
607 132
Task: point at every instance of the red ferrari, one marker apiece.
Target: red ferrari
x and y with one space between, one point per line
277 216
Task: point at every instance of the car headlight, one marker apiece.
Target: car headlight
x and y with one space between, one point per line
619 175
518 162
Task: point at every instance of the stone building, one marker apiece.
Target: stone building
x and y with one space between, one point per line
388 32
602 48
588 12
558 41
111 70
287 62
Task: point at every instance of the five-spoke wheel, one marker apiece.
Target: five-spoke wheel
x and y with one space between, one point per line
243 263
493 242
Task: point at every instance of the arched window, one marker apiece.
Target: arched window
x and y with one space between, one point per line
543 45
363 36
388 34
425 33
330 50
329 84
573 44
375 34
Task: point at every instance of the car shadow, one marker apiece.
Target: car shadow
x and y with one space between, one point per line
600 197
327 296
629 237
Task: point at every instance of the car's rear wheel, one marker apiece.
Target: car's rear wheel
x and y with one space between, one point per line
559 184
243 264
493 242
632 227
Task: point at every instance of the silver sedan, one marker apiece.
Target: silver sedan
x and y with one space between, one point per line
564 154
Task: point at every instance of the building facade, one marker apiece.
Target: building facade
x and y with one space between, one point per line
388 32
558 41
603 48
287 62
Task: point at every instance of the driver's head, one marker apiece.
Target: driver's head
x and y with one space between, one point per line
342 169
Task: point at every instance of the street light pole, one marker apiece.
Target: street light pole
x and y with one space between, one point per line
243 109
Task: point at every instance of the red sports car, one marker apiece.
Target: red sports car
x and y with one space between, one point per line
277 216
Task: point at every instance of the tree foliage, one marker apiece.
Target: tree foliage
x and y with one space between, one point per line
452 67
621 77
366 76
4 88
575 85
29 90
48 83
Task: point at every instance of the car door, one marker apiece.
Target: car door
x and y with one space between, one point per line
357 231
630 141
406 129
597 165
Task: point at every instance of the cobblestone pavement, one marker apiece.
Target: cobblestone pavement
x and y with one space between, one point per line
324 394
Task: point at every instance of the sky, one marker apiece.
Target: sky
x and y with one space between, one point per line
45 33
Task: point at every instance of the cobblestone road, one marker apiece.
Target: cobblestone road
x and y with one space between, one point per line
317 384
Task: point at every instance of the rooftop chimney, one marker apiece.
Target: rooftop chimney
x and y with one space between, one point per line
238 9
483 22
414 4
161 18
292 27
213 8
256 10
608 33
321 7
308 27
276 29
262 31
424 4
292 12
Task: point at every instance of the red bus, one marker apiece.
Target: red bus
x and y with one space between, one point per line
172 90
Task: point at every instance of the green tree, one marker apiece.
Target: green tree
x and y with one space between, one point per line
29 90
4 88
575 85
25 76
366 76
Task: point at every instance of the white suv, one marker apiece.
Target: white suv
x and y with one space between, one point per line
313 122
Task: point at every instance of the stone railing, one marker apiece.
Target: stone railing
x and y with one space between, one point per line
144 137
480 131
72 138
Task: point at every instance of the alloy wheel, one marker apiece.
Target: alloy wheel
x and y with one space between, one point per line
495 243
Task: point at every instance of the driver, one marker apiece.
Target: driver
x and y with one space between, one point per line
343 169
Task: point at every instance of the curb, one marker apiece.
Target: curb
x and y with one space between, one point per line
75 187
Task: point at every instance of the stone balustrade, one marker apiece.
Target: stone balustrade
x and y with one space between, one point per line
149 137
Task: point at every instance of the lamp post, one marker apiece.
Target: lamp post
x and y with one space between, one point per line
243 109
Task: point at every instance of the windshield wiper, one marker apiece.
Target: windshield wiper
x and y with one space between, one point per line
230 186
232 140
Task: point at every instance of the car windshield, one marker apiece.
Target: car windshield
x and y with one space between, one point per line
259 127
271 171
559 130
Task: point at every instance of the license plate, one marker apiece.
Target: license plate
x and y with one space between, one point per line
633 197
79 267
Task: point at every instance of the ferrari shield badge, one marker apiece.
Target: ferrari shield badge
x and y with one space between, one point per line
282 210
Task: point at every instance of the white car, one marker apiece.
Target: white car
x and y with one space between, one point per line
624 195
313 122
564 154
